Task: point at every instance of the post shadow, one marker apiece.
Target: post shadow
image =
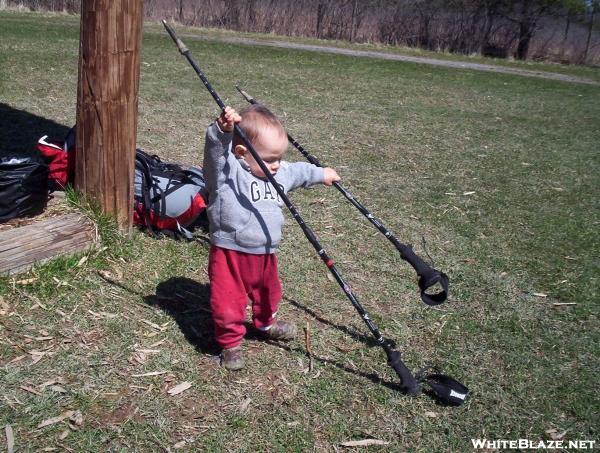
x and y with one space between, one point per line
21 130
188 303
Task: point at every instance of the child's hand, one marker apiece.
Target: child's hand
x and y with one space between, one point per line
228 119
330 176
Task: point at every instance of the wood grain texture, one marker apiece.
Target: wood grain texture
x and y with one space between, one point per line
22 247
107 100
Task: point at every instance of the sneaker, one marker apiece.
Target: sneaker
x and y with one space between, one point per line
232 359
281 330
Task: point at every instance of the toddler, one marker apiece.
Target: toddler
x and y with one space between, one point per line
245 222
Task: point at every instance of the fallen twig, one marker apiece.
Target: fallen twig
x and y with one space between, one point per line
179 388
10 439
151 373
58 419
364 443
30 390
307 341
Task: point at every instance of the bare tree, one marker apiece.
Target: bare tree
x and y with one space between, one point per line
562 29
593 6
526 15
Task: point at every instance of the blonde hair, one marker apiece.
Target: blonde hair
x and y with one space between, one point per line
254 120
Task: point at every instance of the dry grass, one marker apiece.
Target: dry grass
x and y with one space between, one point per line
410 142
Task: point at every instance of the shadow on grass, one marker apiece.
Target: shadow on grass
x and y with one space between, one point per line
20 130
188 303
355 334
373 377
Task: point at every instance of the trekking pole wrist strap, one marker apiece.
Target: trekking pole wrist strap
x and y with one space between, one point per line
428 276
444 388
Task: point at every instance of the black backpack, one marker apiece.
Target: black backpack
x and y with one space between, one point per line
23 186
168 198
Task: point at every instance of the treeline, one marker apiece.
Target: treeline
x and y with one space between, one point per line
556 30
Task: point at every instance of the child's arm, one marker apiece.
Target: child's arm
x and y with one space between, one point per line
330 176
218 141
303 174
229 117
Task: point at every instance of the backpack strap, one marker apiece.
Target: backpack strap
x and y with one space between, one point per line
159 180
181 180
142 159
445 389
185 233
151 201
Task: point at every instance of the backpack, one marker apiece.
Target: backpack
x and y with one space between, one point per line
60 158
168 198
23 186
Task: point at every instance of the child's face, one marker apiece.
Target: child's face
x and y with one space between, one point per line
270 145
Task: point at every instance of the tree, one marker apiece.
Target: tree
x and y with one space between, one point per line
490 12
593 7
571 9
526 14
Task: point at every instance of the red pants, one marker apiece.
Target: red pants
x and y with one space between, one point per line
236 277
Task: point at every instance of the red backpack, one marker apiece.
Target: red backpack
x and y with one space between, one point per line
168 198
60 159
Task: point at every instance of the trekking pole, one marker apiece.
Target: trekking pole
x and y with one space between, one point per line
407 381
428 277
443 387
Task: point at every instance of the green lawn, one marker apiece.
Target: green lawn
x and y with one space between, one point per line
499 173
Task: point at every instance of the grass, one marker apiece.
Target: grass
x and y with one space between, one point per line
500 174
150 27
589 72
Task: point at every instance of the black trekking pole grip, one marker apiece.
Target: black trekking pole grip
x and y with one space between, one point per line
428 276
408 383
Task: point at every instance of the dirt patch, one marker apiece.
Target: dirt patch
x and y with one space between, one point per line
100 417
195 410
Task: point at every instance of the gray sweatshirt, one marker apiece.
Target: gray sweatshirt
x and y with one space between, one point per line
244 211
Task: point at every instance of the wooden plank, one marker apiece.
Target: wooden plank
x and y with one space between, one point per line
25 265
15 233
35 238
41 246
48 241
32 239
22 247
25 258
65 224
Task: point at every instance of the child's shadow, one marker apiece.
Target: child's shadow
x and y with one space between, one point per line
188 303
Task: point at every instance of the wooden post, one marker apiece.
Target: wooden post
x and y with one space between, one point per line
107 98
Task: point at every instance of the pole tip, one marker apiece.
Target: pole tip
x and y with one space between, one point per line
245 95
178 42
